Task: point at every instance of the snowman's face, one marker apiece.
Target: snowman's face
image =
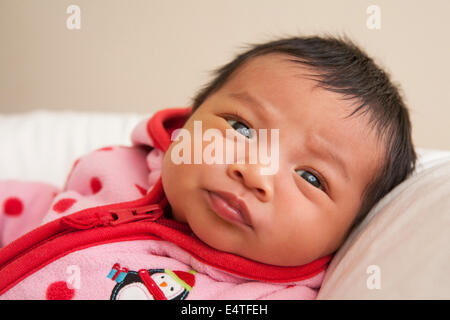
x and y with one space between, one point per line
168 285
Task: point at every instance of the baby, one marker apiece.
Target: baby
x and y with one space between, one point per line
343 140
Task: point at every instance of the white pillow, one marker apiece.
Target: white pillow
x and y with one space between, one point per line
42 145
401 249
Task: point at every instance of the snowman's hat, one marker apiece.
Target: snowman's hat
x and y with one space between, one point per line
185 279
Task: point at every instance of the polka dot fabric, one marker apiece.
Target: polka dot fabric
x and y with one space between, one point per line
107 175
110 174
12 206
59 290
23 205
63 205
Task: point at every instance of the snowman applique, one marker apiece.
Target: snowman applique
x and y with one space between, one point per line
150 284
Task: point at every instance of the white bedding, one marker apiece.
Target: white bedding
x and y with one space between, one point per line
406 235
402 249
42 145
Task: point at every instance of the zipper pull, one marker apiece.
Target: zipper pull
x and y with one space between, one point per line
86 221
152 212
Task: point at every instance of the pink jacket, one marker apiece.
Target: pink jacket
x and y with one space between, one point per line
106 235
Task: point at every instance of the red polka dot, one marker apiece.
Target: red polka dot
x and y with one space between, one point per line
96 185
105 149
12 206
63 204
142 190
59 291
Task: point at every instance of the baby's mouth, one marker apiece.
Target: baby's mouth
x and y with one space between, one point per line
229 207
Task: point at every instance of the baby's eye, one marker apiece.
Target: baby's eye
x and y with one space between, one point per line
308 176
241 128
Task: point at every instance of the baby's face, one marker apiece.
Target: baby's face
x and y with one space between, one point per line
302 211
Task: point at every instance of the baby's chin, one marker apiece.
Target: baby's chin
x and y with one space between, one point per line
226 237
238 249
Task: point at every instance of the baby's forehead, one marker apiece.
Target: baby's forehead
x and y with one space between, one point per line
290 94
266 66
277 74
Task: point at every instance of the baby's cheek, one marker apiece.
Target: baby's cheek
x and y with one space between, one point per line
168 177
177 180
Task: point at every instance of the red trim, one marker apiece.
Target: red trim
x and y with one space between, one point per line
236 264
55 228
57 247
163 123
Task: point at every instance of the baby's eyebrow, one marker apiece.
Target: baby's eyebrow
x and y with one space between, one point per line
249 100
324 149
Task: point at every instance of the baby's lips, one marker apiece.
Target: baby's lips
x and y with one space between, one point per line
237 204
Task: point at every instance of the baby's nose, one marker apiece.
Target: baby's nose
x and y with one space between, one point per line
249 175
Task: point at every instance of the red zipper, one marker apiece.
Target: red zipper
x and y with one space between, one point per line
152 213
101 218
113 217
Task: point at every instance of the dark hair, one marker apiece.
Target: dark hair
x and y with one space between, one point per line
344 68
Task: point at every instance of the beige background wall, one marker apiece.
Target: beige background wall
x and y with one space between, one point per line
139 56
